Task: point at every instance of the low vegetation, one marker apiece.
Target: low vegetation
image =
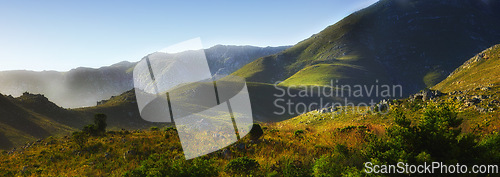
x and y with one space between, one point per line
313 144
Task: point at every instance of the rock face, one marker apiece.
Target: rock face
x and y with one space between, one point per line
87 86
426 94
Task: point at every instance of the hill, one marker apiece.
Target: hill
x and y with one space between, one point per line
480 72
32 116
82 86
19 124
415 43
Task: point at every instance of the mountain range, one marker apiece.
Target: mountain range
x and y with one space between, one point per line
86 86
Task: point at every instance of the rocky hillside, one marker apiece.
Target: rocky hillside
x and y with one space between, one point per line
481 72
416 43
85 86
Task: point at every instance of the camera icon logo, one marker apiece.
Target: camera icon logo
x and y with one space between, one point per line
175 85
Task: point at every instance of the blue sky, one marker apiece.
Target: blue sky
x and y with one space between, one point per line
61 35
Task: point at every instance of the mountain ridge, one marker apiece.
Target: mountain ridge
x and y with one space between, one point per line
414 43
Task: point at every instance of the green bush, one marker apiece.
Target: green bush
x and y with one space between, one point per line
242 166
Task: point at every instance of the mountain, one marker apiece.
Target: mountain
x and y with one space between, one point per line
415 43
75 88
480 72
225 59
85 86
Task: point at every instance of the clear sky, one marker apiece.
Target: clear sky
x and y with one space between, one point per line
61 35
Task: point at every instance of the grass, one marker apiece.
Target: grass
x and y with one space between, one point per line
288 147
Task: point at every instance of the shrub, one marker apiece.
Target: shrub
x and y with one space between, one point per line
256 132
154 128
298 132
242 166
90 130
168 129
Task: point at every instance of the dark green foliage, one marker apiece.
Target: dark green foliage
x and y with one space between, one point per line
434 138
90 129
298 133
161 165
154 128
100 122
242 166
99 126
343 162
256 132
491 148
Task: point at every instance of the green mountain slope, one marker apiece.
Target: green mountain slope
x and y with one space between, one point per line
481 71
414 43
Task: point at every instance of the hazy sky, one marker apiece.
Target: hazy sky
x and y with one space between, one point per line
61 35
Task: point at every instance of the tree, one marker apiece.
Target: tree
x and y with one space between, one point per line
99 126
100 122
